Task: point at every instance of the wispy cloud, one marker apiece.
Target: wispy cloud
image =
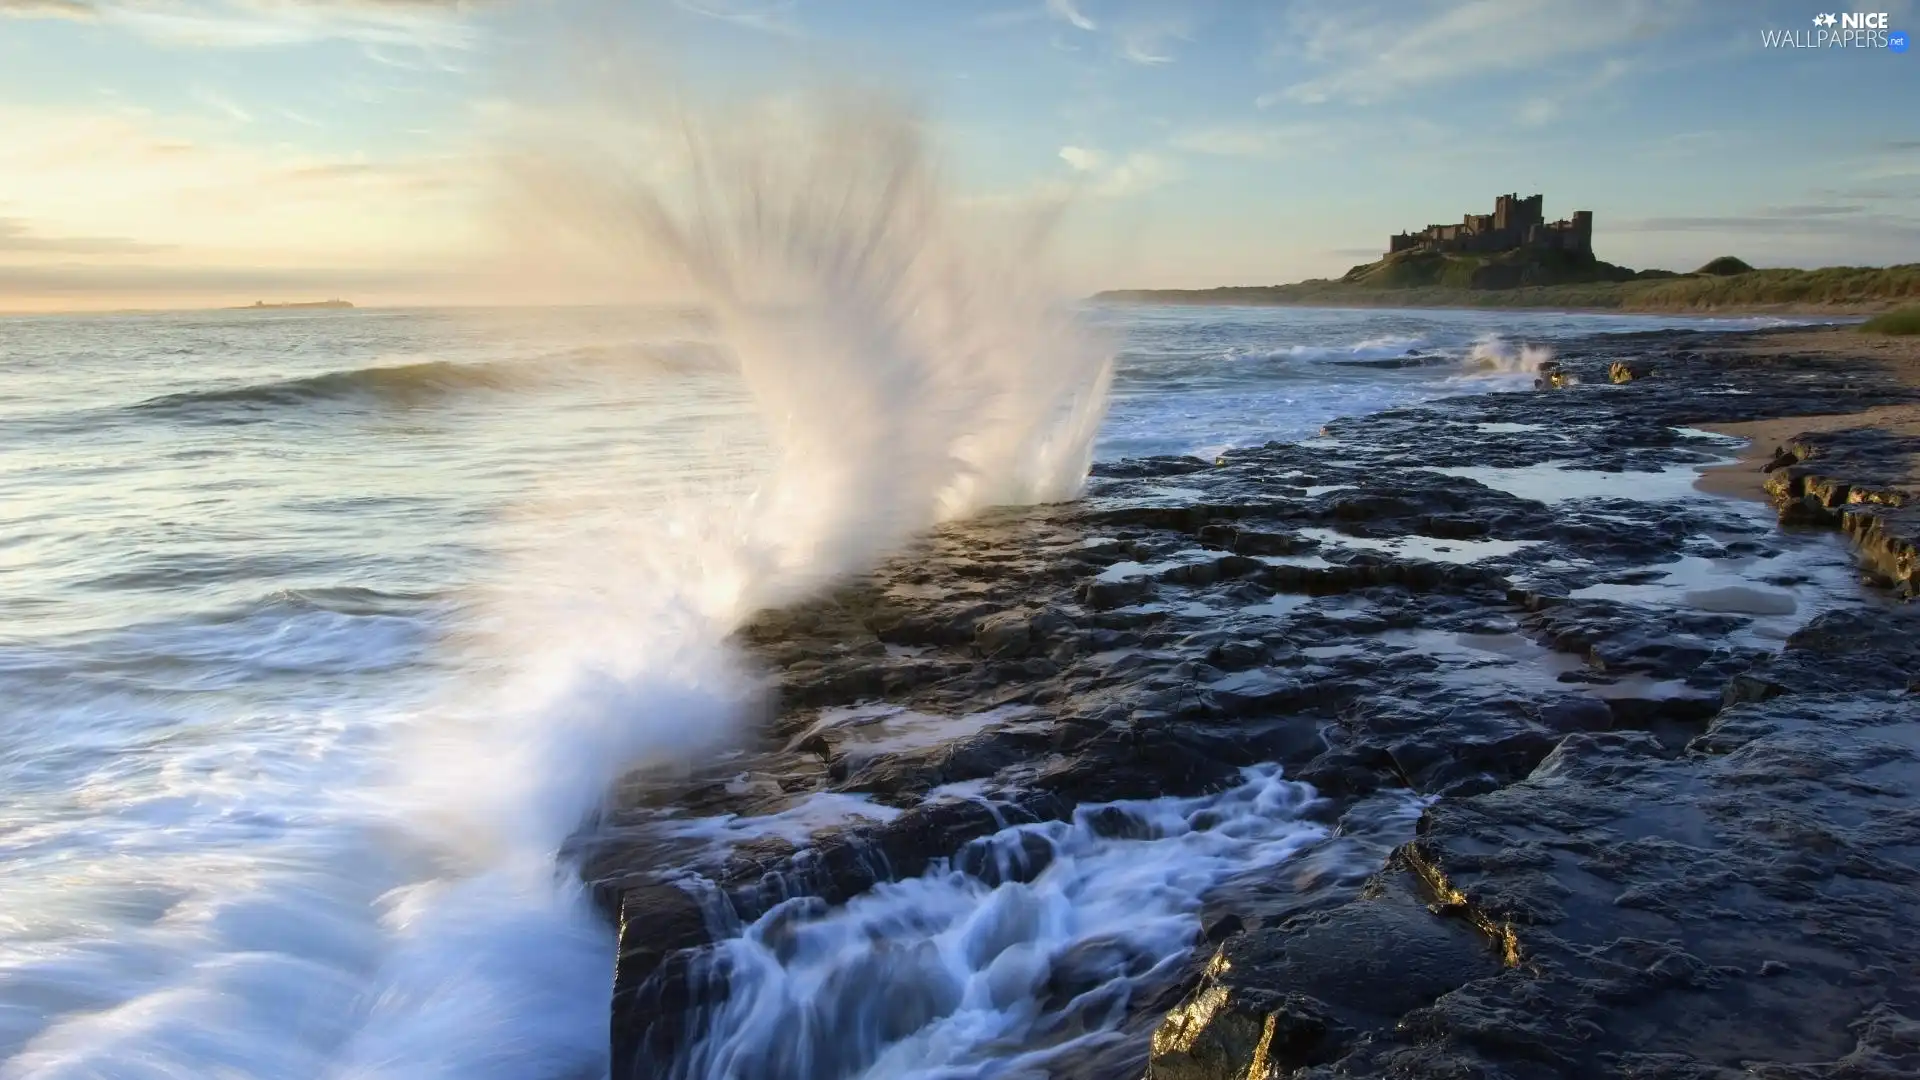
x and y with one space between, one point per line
1144 33
1149 42
1826 219
47 9
1141 54
1069 12
266 23
17 237
1449 41
1552 105
780 19
105 184
1094 174
221 104
1081 159
419 175
68 281
1134 174
1103 176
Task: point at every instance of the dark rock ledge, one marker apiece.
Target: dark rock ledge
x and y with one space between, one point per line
1856 480
1670 750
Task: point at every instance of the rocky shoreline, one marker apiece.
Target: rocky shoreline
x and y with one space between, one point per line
1608 777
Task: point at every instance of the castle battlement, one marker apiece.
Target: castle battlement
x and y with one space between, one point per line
1515 223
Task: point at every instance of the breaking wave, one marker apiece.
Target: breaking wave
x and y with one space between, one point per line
1497 356
1378 348
427 382
398 385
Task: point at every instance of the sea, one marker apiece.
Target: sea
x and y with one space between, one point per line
321 631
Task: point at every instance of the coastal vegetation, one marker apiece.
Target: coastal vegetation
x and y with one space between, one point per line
1553 279
1904 322
1725 266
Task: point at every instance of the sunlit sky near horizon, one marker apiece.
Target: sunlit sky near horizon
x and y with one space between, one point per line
196 152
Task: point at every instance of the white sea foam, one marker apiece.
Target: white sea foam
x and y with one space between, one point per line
982 979
1373 348
872 730
1497 356
1498 364
813 814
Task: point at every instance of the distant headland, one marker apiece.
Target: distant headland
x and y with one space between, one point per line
1514 257
262 305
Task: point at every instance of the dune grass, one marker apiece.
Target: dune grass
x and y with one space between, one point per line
1903 323
1836 288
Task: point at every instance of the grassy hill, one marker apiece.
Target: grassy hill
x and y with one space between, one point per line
1559 280
1505 270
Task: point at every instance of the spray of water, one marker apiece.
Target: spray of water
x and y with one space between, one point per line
905 375
1497 356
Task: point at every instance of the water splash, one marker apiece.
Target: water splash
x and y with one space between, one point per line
909 368
905 375
1497 356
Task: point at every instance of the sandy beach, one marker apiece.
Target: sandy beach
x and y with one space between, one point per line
1898 356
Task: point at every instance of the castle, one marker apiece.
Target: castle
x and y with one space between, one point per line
1514 223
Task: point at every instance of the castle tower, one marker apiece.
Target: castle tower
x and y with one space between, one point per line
1530 211
1503 212
1582 238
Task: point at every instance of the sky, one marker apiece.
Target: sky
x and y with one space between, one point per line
167 153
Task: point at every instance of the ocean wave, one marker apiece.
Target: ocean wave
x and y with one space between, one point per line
426 382
398 384
1377 348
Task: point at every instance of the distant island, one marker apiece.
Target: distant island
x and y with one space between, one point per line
1514 257
262 305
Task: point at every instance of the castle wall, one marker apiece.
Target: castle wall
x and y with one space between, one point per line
1514 223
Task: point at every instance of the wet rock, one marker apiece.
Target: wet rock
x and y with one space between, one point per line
655 1016
1662 845
1295 994
1856 481
1624 371
1006 635
1705 914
